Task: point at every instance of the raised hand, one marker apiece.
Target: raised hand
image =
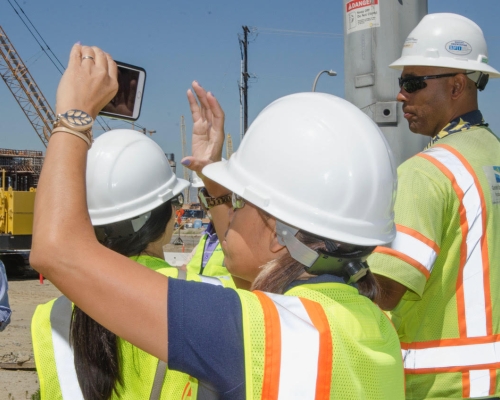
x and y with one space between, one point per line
208 129
89 82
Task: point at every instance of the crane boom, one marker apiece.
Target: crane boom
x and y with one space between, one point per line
24 89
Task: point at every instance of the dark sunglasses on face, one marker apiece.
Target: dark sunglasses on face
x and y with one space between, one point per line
237 201
413 83
177 201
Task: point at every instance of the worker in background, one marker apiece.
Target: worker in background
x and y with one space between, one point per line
5 311
309 330
135 221
208 258
441 274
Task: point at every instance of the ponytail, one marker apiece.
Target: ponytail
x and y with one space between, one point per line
96 350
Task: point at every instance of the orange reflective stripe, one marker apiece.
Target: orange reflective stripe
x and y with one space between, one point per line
272 361
403 257
450 342
493 382
325 360
460 368
465 384
464 226
419 236
484 239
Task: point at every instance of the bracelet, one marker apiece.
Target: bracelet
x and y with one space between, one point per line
85 137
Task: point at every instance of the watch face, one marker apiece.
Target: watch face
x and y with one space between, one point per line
76 119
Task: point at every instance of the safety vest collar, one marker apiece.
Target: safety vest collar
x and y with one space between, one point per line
459 124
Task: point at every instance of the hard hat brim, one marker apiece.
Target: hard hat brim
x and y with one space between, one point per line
221 173
162 196
445 62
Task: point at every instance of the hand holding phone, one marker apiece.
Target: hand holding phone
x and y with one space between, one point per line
128 100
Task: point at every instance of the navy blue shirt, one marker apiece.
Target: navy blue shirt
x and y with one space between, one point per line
205 336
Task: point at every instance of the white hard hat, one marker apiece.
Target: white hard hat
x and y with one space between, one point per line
196 181
318 163
446 40
128 175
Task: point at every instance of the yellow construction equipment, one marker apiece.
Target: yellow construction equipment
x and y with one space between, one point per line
16 210
20 168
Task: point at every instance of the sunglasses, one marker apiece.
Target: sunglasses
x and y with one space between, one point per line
177 201
237 201
413 83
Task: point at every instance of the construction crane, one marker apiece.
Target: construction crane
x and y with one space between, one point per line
229 146
185 170
24 89
20 169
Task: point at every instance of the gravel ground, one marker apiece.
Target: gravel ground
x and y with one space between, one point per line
15 341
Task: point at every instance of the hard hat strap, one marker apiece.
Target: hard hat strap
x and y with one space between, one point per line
479 78
121 228
349 265
298 250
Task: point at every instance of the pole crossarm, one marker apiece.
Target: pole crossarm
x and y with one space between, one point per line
25 90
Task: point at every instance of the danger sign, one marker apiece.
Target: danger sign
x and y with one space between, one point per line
351 5
362 14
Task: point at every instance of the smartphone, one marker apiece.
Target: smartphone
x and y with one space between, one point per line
128 100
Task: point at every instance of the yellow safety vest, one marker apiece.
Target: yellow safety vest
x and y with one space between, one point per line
447 253
214 266
54 356
319 341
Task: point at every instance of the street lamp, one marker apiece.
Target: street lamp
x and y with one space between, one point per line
329 72
144 130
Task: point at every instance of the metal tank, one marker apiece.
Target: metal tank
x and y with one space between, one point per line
374 34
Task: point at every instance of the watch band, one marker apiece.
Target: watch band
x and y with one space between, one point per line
210 202
217 201
81 135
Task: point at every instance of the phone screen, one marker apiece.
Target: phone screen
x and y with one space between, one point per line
128 100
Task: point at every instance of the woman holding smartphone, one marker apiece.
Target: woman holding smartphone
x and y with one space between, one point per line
309 329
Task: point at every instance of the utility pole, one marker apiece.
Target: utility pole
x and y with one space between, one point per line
185 170
374 35
244 80
229 146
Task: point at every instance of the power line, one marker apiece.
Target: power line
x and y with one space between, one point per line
40 36
101 121
286 32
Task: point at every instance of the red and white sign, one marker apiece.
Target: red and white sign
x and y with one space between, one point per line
352 5
362 14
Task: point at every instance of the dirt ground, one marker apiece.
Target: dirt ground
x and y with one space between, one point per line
15 341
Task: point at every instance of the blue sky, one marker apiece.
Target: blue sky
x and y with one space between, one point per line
179 41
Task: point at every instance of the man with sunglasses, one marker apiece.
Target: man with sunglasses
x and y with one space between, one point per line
441 274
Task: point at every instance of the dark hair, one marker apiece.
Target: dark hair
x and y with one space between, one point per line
96 348
278 274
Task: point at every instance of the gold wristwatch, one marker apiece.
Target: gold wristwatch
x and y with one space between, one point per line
210 202
76 122
75 119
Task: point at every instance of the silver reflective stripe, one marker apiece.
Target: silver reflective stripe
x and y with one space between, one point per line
210 280
181 274
60 319
161 370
